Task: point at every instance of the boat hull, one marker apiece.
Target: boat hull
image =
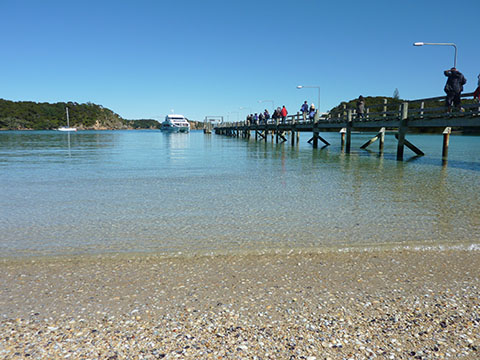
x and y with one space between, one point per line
67 129
175 129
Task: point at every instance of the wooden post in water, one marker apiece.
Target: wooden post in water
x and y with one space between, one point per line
295 119
446 141
349 131
315 135
342 137
402 130
382 139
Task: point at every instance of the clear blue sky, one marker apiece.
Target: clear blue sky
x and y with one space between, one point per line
143 58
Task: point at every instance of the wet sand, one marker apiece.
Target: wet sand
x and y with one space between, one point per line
337 305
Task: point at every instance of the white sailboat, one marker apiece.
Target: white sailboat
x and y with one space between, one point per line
67 128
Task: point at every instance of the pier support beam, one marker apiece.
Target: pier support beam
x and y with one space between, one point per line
382 140
380 135
410 146
316 136
446 141
402 131
342 137
349 131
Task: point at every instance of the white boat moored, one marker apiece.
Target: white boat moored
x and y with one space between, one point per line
175 123
67 128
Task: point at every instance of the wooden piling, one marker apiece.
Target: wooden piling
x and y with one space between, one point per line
446 141
315 136
382 139
349 131
402 130
380 135
342 137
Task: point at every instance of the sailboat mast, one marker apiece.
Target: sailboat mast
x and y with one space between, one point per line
68 120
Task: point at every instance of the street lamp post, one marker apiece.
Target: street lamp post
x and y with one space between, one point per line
234 112
262 101
441 44
314 87
245 108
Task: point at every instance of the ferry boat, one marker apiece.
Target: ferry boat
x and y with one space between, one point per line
175 123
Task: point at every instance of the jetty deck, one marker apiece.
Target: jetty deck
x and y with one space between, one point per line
399 117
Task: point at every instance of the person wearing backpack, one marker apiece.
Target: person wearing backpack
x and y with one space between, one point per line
304 110
454 87
266 115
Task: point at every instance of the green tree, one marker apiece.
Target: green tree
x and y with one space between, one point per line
396 94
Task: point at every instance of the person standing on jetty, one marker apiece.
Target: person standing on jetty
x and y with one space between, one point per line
476 94
284 113
304 110
360 107
275 115
311 112
266 115
454 87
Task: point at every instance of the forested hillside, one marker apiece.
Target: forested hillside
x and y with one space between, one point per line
23 115
17 115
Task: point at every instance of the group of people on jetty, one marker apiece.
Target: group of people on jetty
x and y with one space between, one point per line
453 89
280 115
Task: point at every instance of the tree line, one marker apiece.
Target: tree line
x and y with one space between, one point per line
22 115
18 115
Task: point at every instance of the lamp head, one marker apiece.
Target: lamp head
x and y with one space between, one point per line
299 86
418 44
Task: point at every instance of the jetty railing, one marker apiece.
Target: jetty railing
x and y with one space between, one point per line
401 115
377 112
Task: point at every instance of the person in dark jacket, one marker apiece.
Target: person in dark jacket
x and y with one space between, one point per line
454 87
304 110
275 116
266 114
476 94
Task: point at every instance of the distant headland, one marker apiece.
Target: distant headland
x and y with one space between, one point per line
29 115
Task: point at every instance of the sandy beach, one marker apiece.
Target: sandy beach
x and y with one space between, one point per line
334 305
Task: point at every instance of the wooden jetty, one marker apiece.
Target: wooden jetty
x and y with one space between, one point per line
398 117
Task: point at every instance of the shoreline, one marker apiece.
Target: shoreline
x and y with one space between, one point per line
270 251
386 304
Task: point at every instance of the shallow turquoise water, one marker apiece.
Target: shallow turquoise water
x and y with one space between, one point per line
146 191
